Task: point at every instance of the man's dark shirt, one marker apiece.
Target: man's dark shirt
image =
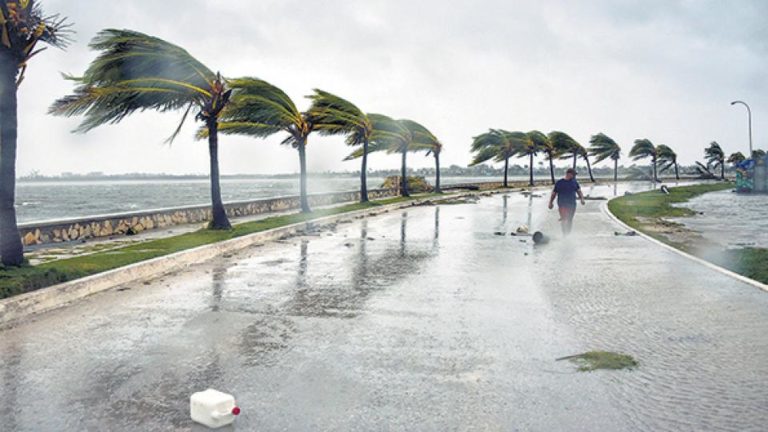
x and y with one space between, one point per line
566 192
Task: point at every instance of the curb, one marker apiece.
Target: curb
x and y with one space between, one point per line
14 308
705 263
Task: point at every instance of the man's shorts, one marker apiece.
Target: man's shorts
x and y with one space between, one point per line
566 213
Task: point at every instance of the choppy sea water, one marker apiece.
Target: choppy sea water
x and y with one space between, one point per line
39 201
730 219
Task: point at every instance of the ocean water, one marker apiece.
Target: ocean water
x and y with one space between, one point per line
732 220
41 201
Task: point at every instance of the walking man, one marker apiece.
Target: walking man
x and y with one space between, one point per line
566 190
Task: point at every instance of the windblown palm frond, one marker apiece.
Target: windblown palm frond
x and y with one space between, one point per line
603 147
642 149
333 115
504 144
714 154
545 145
387 134
23 25
260 109
136 72
667 157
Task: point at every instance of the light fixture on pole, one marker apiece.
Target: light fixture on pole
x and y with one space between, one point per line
749 113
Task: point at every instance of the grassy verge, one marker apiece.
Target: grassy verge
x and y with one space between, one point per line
15 281
645 211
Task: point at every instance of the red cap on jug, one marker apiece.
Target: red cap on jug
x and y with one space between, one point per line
236 410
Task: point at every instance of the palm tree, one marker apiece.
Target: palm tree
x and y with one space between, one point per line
436 149
644 148
529 149
758 154
585 155
736 158
499 145
397 136
603 147
333 115
543 143
137 72
668 159
22 26
259 109
715 157
565 146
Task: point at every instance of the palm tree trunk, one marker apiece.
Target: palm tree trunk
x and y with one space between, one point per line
677 174
589 169
722 170
11 249
364 174
655 176
574 160
530 170
615 170
303 176
437 173
220 220
551 168
506 172
404 176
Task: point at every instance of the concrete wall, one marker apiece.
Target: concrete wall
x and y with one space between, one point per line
131 223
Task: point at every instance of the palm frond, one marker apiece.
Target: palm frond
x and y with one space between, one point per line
643 148
603 147
333 115
136 72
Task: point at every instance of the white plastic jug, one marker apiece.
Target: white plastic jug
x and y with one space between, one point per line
213 408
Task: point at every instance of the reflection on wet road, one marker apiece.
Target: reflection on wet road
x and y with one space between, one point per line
420 319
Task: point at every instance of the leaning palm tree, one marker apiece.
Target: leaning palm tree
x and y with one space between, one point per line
603 147
259 109
736 158
584 153
644 148
565 146
715 157
137 72
333 115
528 149
22 26
397 136
544 144
499 145
668 159
435 150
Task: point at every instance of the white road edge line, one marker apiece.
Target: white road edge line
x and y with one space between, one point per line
742 278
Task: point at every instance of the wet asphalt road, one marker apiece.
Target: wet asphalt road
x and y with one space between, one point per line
421 319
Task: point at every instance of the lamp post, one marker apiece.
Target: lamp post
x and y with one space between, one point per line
749 113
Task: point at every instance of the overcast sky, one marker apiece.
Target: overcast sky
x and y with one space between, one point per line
663 70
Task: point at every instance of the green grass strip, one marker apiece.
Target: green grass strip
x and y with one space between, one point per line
14 281
751 262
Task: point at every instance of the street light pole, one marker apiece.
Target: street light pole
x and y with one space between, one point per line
749 113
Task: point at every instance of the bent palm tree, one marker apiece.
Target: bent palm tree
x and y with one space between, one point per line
543 143
603 147
136 72
642 149
736 158
435 150
259 109
397 136
565 146
668 159
22 26
499 145
585 155
715 157
333 115
528 148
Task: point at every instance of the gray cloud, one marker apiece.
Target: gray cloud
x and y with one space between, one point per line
663 70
